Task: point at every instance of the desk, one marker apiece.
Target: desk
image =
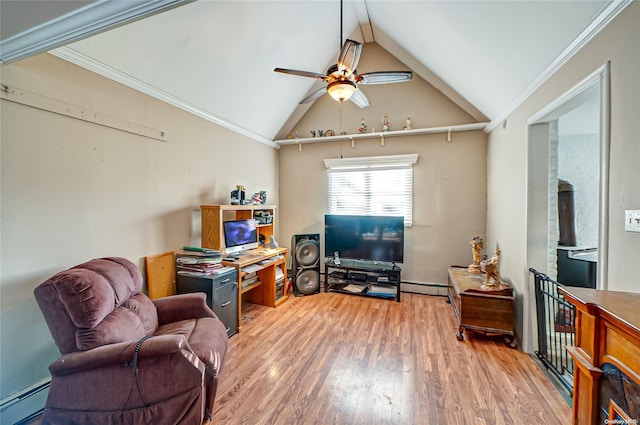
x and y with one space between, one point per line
477 310
265 290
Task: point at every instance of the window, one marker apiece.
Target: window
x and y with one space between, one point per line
379 185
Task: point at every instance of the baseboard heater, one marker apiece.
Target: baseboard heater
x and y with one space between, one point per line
425 288
22 406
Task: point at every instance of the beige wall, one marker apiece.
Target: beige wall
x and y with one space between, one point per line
73 190
507 157
449 185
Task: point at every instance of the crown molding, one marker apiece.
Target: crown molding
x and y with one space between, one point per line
95 17
111 73
601 21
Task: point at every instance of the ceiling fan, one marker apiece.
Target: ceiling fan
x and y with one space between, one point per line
342 78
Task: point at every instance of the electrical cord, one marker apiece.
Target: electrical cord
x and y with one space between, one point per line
134 365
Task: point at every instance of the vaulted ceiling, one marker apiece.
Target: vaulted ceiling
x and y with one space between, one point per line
216 58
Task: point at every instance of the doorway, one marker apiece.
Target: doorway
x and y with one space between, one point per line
568 163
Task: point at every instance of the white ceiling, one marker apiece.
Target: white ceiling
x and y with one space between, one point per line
216 58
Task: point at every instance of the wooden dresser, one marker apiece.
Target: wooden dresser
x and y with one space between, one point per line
478 310
606 381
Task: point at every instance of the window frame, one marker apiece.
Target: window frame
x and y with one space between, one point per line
372 164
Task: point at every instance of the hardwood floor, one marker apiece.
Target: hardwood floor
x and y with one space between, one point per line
340 359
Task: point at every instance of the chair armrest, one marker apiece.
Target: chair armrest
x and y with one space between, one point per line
120 354
182 307
103 379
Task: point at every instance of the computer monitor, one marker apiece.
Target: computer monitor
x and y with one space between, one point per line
240 235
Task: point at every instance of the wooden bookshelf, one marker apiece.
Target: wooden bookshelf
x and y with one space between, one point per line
214 215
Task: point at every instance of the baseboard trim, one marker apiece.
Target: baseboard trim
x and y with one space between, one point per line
425 288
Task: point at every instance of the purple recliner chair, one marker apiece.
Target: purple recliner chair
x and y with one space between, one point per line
125 358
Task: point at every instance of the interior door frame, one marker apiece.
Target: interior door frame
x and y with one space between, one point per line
600 76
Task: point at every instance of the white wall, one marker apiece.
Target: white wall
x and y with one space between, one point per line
73 190
507 157
579 163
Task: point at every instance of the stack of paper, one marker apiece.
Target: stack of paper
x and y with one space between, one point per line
383 290
355 288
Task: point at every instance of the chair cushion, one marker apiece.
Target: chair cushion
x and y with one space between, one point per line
131 321
94 289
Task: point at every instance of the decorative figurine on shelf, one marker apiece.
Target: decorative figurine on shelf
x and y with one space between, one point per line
256 199
385 124
321 133
407 124
477 245
237 196
259 197
491 268
313 133
272 244
363 126
329 133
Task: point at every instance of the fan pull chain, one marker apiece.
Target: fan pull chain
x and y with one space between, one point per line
340 119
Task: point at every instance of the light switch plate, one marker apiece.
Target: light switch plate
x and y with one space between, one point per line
632 220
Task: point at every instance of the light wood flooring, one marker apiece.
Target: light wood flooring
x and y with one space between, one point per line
339 359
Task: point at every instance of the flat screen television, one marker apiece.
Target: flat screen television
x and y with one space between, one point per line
358 237
240 235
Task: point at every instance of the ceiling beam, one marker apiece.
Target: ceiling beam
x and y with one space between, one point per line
94 18
360 6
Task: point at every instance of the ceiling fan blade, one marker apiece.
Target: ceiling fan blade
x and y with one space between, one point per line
301 73
384 77
349 56
313 95
359 99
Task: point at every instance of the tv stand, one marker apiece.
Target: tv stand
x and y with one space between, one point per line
362 277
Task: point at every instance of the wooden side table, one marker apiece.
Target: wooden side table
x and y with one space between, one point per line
480 310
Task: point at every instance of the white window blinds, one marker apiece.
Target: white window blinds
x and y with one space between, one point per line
380 185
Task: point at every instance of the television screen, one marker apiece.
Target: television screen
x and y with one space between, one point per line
240 235
373 238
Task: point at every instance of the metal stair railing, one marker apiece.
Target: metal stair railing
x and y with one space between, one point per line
556 329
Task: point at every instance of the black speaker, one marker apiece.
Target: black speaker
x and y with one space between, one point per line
305 264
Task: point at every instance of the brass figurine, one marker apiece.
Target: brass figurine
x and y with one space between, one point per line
491 268
477 245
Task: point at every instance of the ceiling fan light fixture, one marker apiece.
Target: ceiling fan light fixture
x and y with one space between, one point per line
341 90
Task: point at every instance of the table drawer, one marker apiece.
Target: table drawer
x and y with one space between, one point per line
225 306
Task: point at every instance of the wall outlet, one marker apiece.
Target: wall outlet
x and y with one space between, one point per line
632 220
